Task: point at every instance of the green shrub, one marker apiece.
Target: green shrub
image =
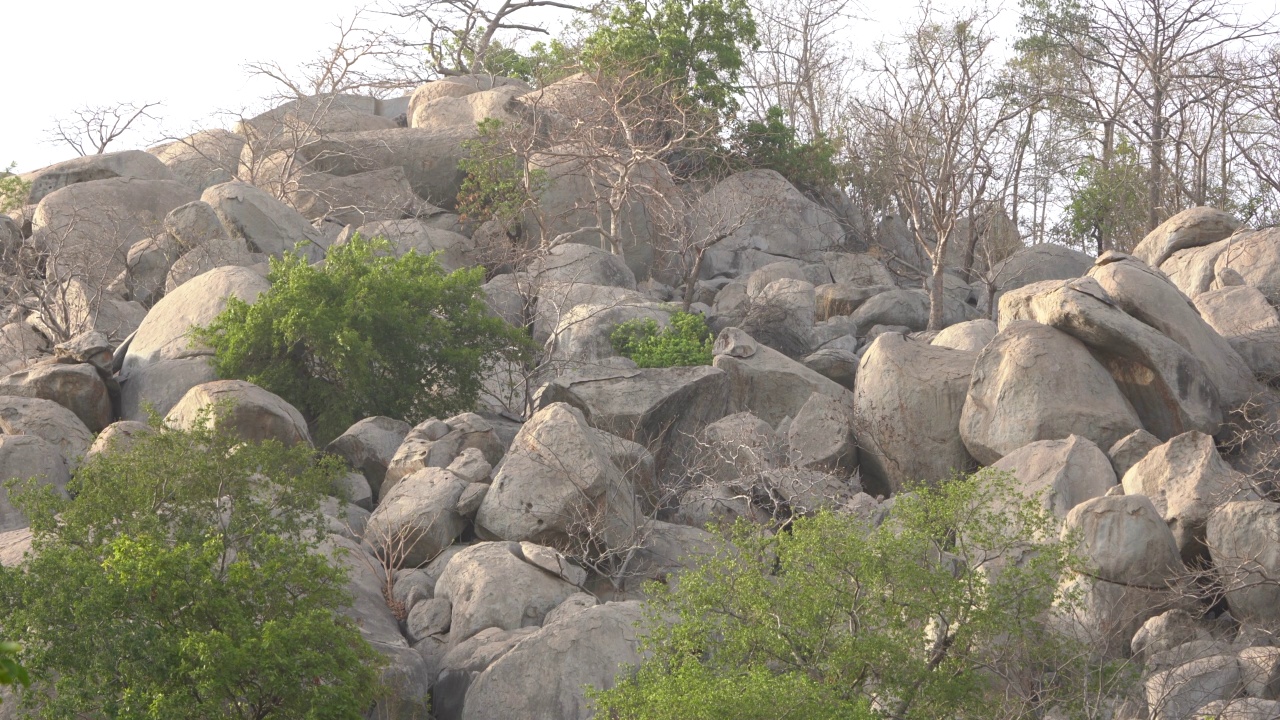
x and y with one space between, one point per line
686 341
183 581
921 618
496 182
772 144
364 334
13 190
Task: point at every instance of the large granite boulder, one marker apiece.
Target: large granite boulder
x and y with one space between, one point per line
1066 472
766 382
1244 544
1242 315
48 420
418 518
491 584
1193 227
241 408
28 457
369 445
266 224
79 388
104 166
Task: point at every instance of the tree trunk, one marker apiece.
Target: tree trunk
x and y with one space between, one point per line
1155 178
937 297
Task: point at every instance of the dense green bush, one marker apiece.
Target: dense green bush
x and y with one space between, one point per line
13 190
770 143
938 613
364 334
182 581
686 341
496 182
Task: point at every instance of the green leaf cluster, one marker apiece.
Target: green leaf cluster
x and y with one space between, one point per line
365 334
182 580
1109 201
13 190
770 143
496 182
699 44
685 341
832 618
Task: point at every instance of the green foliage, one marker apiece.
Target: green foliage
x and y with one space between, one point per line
686 341
699 44
11 671
13 190
366 334
918 617
1108 205
541 65
497 184
183 581
772 144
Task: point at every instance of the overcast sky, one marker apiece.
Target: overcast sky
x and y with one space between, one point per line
64 54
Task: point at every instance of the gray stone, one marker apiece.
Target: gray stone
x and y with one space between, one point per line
48 420
79 388
417 518
369 445
490 586
24 457
1193 227
1130 449
1244 544
252 413
1064 472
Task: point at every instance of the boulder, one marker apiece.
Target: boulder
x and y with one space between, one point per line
821 437
418 518
1065 472
1165 632
436 443
158 386
836 364
1255 256
207 158
369 445
148 264
453 251
1106 615
48 420
366 197
1186 479
464 662
251 413
1191 270
971 336
1033 383
104 166
119 436
266 224
581 264
1047 261
1260 671
583 333
547 674
446 112
24 457
1193 227
556 481
857 269
1147 295
766 219
909 308
216 253
1178 693
456 86
1131 448
87 229
74 306
194 224
1166 384
907 407
1125 541
365 582
20 344
766 382
781 316
164 334
490 585
837 299
1242 315
1244 545
661 408
79 388
1241 708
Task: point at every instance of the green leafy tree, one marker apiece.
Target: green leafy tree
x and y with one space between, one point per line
1108 207
497 183
699 44
182 580
686 341
365 334
937 613
13 189
772 144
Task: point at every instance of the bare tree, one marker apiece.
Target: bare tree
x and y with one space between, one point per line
935 116
91 128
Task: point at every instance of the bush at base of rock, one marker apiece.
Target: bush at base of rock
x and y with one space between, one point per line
686 341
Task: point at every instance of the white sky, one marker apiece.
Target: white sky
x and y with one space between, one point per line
63 54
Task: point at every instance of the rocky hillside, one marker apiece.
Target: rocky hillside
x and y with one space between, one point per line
1132 390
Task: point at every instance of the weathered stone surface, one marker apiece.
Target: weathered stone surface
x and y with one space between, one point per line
366 197
1186 479
1167 385
48 420
158 386
148 264
545 676
1178 693
216 253
1147 295
1241 708
1165 632
105 166
837 299
436 443
1131 448
1242 315
766 382
1191 270
1109 614
464 662
1255 256
207 158
971 336
857 269
440 106
1047 261
266 224
20 344
117 437
24 457
365 581
87 228
78 388
907 408
909 308
1067 472
418 518
1193 227
1126 541
453 250
253 413
1244 544
369 445
1032 383
491 586
556 478
1260 671
577 263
